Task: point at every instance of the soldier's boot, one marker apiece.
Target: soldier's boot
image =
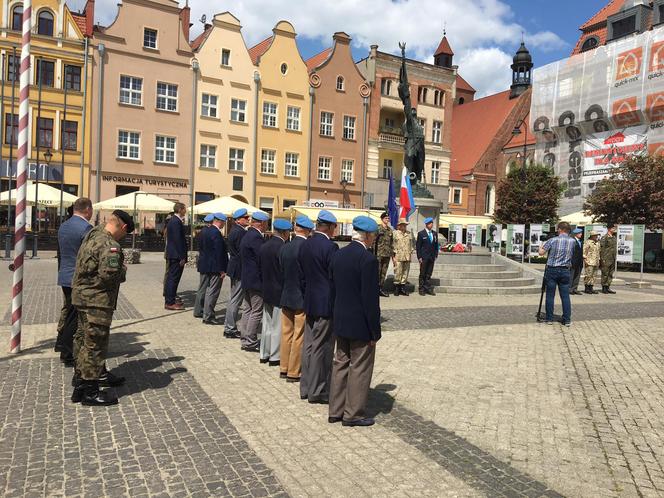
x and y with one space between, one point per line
93 396
108 379
588 289
79 391
75 379
397 290
604 289
593 291
383 293
404 292
430 291
609 290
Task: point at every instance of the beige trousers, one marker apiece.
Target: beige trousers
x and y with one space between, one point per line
401 272
589 276
292 337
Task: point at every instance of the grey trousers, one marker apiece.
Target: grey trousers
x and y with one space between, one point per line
203 282
251 319
576 277
271 332
351 377
211 295
234 307
317 358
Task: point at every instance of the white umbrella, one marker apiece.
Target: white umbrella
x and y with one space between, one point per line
578 218
226 205
139 201
48 196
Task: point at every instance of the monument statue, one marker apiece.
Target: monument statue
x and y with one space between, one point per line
412 129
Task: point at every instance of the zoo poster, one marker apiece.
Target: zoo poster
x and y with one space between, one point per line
455 234
515 238
630 243
474 235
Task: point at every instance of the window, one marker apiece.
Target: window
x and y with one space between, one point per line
269 114
13 68
349 127
238 182
623 27
238 110
225 57
347 170
436 132
456 196
70 134
422 95
288 203
385 87
284 68
461 100
324 168
435 172
167 97
293 118
327 124
45 132
208 156
11 129
17 18
209 105
340 84
45 23
73 78
268 162
389 122
589 44
292 164
129 144
236 159
150 38
45 71
661 13
387 168
423 124
131 90
164 149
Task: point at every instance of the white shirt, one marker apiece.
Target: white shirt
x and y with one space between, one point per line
326 235
301 236
360 242
83 218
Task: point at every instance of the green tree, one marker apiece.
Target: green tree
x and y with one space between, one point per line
529 196
633 194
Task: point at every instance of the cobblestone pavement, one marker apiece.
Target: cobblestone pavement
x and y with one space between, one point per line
472 398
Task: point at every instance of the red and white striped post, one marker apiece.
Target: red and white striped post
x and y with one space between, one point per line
21 173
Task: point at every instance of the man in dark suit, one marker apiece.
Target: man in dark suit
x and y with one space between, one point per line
356 322
203 281
251 281
315 259
70 236
427 252
238 230
176 253
577 261
270 270
292 302
212 265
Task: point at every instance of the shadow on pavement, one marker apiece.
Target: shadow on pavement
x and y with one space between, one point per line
379 401
145 374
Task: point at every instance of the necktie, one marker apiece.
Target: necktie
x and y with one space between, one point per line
431 237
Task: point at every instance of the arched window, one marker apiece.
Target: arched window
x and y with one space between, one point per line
340 83
45 23
17 18
461 100
589 43
489 200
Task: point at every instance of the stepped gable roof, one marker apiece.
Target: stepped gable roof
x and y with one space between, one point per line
318 59
259 49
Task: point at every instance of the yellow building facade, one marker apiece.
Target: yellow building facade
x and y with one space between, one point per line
60 139
283 122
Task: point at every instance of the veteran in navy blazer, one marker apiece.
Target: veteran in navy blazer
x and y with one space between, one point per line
212 265
315 259
176 254
70 236
233 308
427 252
356 325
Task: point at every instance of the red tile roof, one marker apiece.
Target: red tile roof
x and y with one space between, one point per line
518 140
258 50
444 47
474 126
600 32
80 21
463 84
198 41
608 10
318 59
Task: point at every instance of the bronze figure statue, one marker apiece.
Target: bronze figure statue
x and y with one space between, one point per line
412 129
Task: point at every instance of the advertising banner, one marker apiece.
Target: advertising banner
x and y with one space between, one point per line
515 238
603 152
536 231
630 243
474 235
455 234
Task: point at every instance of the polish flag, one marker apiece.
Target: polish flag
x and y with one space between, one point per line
406 200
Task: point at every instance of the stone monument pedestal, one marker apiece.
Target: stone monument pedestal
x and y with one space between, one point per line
425 208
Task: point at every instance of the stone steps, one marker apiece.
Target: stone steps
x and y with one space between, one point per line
486 282
504 274
464 267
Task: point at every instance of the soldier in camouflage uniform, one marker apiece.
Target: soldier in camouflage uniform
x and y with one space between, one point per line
403 252
99 272
384 250
591 260
608 250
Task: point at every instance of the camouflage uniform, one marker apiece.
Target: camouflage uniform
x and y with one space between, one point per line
403 251
99 271
384 251
608 249
591 258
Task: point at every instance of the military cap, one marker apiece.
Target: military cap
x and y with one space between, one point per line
324 216
577 231
125 218
428 220
304 222
208 218
594 233
219 216
365 224
282 225
260 216
240 213
402 221
384 215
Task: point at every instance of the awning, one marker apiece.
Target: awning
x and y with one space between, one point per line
143 202
343 215
578 218
48 196
226 205
445 220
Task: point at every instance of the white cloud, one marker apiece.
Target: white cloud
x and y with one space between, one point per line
474 28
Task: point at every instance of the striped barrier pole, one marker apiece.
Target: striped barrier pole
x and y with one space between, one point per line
19 227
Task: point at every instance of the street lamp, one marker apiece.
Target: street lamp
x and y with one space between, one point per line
47 157
516 132
344 184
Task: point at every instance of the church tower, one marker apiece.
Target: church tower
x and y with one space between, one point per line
443 57
521 71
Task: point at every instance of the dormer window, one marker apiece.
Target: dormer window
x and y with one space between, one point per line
17 18
589 43
45 23
149 38
631 19
658 6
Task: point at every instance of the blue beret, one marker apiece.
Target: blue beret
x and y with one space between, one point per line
220 216
365 224
428 220
324 216
577 230
208 218
239 213
282 225
260 216
304 222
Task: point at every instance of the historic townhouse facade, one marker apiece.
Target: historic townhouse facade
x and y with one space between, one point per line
225 126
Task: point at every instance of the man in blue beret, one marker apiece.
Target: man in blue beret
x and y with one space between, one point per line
251 282
427 251
268 257
315 259
577 261
212 266
356 323
233 308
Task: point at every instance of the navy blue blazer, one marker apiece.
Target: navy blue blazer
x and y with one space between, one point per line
315 260
249 248
70 236
270 270
292 278
235 262
577 255
212 255
176 240
425 248
356 299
